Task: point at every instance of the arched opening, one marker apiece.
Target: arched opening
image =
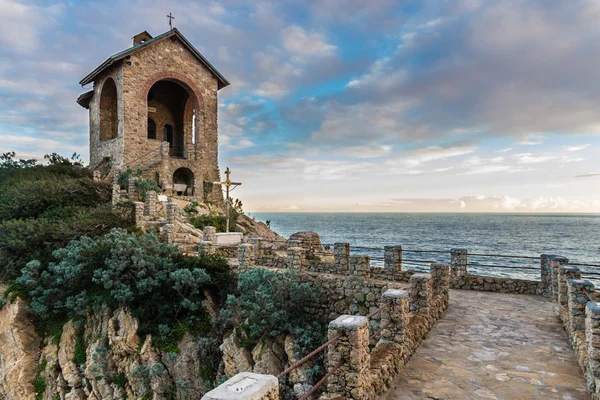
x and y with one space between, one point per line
108 110
151 129
169 107
183 182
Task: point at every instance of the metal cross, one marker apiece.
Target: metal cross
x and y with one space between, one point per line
171 17
228 184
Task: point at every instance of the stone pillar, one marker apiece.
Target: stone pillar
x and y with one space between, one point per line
246 256
420 294
359 267
295 258
458 264
210 233
150 204
246 386
546 274
171 211
132 189
168 233
392 256
592 335
440 281
577 294
554 264
206 247
351 352
256 242
341 254
564 274
116 194
164 150
138 214
395 314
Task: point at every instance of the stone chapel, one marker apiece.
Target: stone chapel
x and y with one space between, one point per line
154 107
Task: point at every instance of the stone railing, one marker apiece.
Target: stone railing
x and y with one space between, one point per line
360 364
580 315
393 268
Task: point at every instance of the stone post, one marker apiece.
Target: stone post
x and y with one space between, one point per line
164 150
138 214
392 256
546 274
295 258
395 314
150 204
554 264
171 210
564 274
458 264
246 386
420 294
256 242
341 254
206 247
168 233
246 256
116 194
359 267
592 335
440 282
351 352
210 233
577 294
132 189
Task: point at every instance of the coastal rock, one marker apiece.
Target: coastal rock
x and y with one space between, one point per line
19 349
235 358
268 357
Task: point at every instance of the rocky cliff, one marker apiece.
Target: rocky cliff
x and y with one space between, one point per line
102 357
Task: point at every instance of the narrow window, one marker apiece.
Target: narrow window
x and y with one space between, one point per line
151 129
168 134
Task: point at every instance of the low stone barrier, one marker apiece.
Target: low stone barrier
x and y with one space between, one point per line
360 364
580 315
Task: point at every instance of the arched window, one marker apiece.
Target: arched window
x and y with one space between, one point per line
168 134
108 110
151 129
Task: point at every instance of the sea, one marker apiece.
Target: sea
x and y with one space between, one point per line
428 237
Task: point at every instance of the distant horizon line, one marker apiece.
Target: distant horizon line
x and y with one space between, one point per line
431 212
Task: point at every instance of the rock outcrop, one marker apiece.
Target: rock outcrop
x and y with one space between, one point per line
19 352
101 358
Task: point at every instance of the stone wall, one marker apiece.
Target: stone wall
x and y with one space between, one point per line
580 315
378 325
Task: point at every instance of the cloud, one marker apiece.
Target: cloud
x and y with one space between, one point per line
577 148
590 175
301 43
529 142
373 151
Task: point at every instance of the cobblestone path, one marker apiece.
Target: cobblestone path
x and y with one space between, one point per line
493 346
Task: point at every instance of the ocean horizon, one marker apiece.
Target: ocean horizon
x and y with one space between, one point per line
575 236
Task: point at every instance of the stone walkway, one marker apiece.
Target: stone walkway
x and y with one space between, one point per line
493 346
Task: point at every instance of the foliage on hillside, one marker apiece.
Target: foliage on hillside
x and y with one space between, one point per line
269 303
44 207
161 287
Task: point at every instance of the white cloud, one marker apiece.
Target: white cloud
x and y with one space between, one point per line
577 148
368 151
301 43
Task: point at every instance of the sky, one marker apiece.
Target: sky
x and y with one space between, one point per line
346 105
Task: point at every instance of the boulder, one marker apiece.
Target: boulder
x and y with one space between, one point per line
235 358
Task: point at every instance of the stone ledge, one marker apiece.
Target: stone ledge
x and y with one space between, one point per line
245 385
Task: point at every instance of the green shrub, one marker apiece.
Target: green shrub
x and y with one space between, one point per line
35 239
143 185
162 288
271 303
39 384
219 222
79 356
